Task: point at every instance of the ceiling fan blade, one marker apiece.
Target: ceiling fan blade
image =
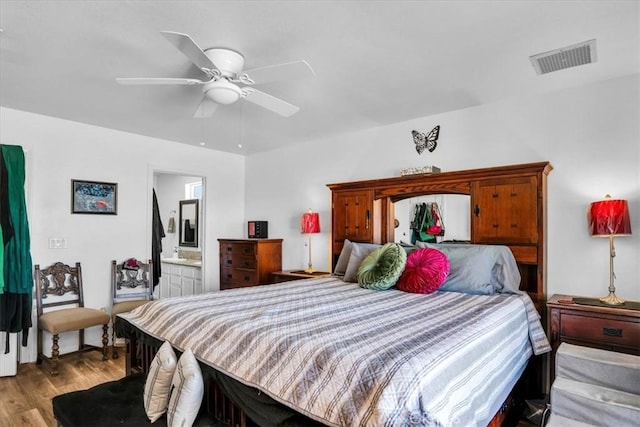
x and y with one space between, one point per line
206 108
157 81
190 49
270 102
288 71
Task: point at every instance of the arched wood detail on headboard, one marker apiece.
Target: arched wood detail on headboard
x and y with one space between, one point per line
508 207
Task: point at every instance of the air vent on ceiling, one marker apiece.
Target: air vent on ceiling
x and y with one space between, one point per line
566 57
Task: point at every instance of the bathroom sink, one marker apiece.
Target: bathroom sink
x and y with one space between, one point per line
183 261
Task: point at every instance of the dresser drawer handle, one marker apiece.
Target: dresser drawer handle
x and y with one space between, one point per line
612 332
247 278
229 261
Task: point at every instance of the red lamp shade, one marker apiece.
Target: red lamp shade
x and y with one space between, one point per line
310 223
609 217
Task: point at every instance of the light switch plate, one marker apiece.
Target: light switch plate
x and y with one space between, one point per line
57 243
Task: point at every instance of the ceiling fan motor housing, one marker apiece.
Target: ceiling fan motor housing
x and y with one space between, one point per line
229 62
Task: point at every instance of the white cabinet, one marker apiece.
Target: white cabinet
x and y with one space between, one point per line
180 280
9 357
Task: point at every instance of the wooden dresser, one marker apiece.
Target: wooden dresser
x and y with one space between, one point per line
608 328
248 262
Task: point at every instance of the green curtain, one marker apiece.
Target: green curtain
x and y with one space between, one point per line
16 294
17 251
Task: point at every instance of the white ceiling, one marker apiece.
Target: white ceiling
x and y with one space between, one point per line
376 62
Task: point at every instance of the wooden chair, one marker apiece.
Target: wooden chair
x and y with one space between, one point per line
60 286
131 286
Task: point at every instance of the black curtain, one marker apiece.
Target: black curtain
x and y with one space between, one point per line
156 241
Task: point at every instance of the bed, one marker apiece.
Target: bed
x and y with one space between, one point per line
329 352
325 351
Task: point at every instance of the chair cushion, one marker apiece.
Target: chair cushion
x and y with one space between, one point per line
72 319
115 403
126 306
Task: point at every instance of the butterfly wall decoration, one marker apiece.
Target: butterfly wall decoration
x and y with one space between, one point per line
428 141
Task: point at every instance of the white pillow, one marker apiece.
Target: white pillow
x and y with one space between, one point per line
158 384
359 252
187 393
343 259
479 269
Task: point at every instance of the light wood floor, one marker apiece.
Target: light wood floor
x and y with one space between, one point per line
25 400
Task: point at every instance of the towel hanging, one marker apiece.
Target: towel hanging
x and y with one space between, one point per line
171 226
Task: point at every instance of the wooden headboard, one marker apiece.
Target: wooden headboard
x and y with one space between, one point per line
508 207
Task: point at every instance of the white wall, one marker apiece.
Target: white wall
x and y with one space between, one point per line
590 135
60 150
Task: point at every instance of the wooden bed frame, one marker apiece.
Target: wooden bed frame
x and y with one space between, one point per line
363 212
221 408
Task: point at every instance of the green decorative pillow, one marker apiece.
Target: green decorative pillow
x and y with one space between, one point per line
381 269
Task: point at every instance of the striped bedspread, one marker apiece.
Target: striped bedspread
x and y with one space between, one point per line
348 356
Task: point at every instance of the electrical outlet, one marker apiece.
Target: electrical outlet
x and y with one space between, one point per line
57 243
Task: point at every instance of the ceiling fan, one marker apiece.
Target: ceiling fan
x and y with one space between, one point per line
224 75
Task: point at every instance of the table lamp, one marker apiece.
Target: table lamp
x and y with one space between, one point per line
610 218
310 224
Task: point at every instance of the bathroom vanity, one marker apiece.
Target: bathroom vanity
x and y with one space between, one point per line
180 277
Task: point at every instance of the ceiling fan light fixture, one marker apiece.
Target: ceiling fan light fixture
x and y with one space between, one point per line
223 92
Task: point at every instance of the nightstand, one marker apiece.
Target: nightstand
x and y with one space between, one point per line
608 328
288 275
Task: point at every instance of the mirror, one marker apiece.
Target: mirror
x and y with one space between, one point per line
188 235
455 210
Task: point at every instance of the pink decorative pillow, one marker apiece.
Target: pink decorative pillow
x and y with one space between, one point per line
425 271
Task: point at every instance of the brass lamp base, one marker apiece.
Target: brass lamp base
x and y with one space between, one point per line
310 270
612 299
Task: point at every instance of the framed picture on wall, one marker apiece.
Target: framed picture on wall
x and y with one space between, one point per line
92 197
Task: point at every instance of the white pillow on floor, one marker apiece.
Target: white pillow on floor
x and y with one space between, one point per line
158 384
187 392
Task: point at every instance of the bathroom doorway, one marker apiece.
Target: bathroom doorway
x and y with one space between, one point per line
175 191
